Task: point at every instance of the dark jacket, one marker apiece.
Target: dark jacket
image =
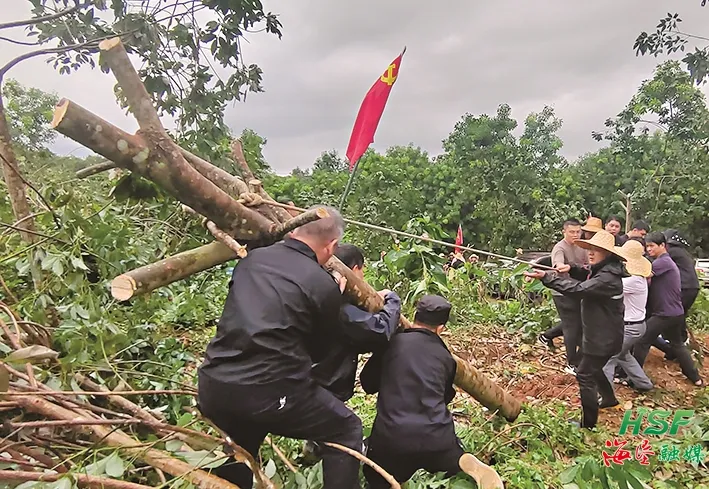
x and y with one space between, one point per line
685 263
278 318
602 308
414 378
360 332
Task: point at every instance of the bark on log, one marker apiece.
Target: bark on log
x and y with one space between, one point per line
118 439
295 222
82 480
171 171
95 169
130 152
164 272
237 153
467 377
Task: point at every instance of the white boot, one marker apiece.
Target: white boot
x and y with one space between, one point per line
484 475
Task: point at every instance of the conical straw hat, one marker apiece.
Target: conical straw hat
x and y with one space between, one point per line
635 262
593 224
603 240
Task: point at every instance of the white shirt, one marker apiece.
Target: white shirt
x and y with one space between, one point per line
634 297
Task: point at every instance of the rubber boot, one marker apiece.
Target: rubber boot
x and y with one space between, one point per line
484 475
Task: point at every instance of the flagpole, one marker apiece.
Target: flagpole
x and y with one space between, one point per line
349 185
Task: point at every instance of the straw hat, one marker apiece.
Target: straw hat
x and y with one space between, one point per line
603 240
593 225
635 262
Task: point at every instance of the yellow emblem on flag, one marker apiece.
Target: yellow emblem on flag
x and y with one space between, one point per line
389 78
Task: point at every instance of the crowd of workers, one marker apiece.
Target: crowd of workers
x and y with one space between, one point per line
617 296
284 359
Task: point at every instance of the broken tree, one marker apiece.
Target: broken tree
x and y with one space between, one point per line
238 209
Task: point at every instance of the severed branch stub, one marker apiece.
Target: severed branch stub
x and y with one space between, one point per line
230 242
306 217
95 169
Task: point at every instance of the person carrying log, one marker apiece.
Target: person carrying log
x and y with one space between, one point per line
358 332
601 297
413 428
256 377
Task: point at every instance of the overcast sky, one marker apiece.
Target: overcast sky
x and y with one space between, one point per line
461 57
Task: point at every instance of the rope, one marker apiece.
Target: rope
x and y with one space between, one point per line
420 238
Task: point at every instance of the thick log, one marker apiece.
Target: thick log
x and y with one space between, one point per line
129 151
467 377
164 272
171 171
116 438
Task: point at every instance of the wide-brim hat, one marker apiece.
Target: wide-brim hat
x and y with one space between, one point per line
602 240
593 225
635 262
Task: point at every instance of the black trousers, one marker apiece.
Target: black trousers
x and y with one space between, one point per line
688 298
569 310
593 381
671 329
301 410
555 331
402 465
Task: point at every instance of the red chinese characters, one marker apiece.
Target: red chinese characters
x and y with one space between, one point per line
643 452
620 455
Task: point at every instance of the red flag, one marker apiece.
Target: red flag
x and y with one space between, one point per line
370 112
458 239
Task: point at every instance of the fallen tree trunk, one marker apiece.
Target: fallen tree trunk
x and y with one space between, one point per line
467 377
168 270
118 439
130 152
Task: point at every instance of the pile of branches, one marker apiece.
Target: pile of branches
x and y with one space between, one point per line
47 434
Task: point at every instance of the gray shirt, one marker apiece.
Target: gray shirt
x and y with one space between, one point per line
564 253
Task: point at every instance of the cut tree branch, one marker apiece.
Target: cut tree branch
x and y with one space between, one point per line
227 240
118 439
89 481
95 169
193 188
149 277
46 18
237 152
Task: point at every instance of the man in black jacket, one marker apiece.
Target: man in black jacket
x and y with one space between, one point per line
278 319
414 428
602 310
358 332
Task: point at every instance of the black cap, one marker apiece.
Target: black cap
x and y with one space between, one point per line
432 310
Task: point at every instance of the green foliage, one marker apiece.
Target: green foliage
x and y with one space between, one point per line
190 53
28 111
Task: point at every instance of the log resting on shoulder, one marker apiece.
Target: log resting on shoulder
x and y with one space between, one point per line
467 377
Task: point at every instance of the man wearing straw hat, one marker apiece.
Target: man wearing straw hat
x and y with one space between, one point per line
592 226
635 290
601 296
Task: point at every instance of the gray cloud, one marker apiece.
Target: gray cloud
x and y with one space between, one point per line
461 57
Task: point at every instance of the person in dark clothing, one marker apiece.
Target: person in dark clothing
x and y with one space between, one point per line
361 332
414 429
665 299
639 229
677 249
602 312
278 319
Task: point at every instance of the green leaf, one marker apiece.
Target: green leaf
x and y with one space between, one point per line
203 459
270 469
173 445
77 262
34 353
115 467
569 474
